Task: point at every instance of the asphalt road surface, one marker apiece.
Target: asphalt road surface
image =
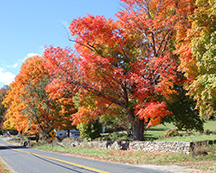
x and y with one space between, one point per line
27 160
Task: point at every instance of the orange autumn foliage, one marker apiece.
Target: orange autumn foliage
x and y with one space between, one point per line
30 108
15 97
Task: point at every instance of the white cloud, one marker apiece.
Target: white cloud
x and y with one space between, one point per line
15 65
28 55
6 77
32 54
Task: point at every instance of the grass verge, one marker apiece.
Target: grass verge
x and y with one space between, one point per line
190 138
205 163
3 167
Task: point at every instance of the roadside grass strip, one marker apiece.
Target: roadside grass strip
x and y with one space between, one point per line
63 161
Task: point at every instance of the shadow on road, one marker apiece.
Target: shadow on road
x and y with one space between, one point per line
54 163
11 147
47 160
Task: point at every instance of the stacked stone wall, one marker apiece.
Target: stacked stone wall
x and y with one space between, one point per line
151 146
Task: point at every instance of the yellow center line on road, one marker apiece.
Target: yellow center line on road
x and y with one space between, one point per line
63 161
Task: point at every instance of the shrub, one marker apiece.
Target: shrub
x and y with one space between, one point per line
184 116
207 132
170 133
201 150
91 130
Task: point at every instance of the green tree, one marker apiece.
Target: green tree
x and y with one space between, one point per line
184 116
201 53
116 121
90 131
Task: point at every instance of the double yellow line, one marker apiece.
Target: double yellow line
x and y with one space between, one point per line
63 161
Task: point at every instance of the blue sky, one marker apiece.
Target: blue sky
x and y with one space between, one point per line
29 25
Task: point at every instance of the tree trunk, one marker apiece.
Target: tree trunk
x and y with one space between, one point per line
68 134
138 129
21 137
37 137
137 126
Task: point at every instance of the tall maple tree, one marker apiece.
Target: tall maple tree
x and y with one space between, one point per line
14 118
25 97
124 63
198 57
31 108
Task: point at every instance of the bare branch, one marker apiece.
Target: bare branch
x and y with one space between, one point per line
158 9
165 38
153 43
81 44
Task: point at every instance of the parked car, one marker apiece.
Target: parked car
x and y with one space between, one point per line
74 133
61 133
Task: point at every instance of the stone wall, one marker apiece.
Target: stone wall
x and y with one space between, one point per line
157 146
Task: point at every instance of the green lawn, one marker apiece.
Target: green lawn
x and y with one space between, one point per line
191 138
153 133
156 131
211 125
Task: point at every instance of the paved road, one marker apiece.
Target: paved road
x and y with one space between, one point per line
27 160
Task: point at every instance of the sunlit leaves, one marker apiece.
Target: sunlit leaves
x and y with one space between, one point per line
26 97
200 63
